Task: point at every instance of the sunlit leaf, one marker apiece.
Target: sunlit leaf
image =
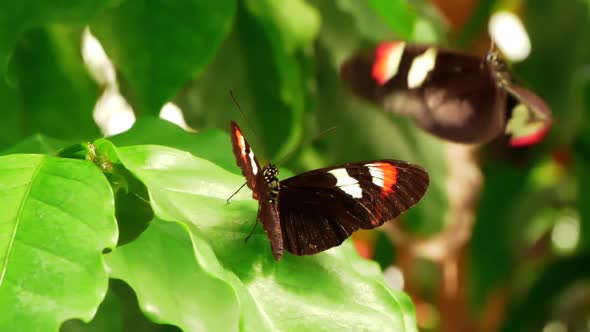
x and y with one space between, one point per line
56 218
211 144
37 143
328 291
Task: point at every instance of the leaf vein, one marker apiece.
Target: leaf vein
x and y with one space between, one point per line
17 224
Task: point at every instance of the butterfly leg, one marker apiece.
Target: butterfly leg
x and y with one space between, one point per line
252 231
237 191
253 228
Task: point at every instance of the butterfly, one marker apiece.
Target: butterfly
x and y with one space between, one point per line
317 210
453 95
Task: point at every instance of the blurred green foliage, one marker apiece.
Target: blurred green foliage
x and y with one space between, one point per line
181 262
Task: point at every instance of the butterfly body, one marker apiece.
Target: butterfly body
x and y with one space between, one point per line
319 209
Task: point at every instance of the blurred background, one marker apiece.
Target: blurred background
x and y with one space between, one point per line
499 243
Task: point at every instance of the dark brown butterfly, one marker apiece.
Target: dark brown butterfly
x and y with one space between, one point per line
453 95
318 210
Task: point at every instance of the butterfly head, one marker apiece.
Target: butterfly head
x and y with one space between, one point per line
270 173
499 68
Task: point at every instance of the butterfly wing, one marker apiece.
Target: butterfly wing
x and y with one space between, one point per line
450 94
245 157
320 209
531 117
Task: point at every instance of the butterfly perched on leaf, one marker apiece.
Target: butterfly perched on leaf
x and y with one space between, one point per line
454 95
317 210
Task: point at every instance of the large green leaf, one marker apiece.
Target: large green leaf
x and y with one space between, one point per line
212 144
49 91
37 143
159 45
398 14
17 17
107 318
267 67
329 291
190 297
56 218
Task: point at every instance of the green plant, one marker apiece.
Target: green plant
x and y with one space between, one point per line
133 232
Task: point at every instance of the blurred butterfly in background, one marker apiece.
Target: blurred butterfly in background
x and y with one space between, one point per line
453 95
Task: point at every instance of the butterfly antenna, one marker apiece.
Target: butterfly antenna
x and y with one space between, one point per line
235 192
492 43
315 138
251 232
251 127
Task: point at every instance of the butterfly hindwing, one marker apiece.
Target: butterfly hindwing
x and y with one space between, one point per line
320 209
535 118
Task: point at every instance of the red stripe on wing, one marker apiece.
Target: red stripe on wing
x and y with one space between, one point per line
381 72
531 139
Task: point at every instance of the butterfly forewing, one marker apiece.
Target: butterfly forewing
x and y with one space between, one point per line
245 157
320 209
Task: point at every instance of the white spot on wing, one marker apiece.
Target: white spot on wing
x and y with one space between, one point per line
242 143
253 162
393 60
377 175
420 68
347 183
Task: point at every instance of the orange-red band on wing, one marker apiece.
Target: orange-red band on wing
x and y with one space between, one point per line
389 178
382 71
384 175
241 143
533 138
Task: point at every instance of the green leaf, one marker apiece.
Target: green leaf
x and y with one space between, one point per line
160 45
266 62
107 318
490 242
190 297
18 17
37 143
54 91
548 44
56 217
211 144
398 14
332 290
530 312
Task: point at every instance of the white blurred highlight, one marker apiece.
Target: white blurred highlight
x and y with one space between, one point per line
112 113
394 277
510 36
96 60
566 233
555 326
171 112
